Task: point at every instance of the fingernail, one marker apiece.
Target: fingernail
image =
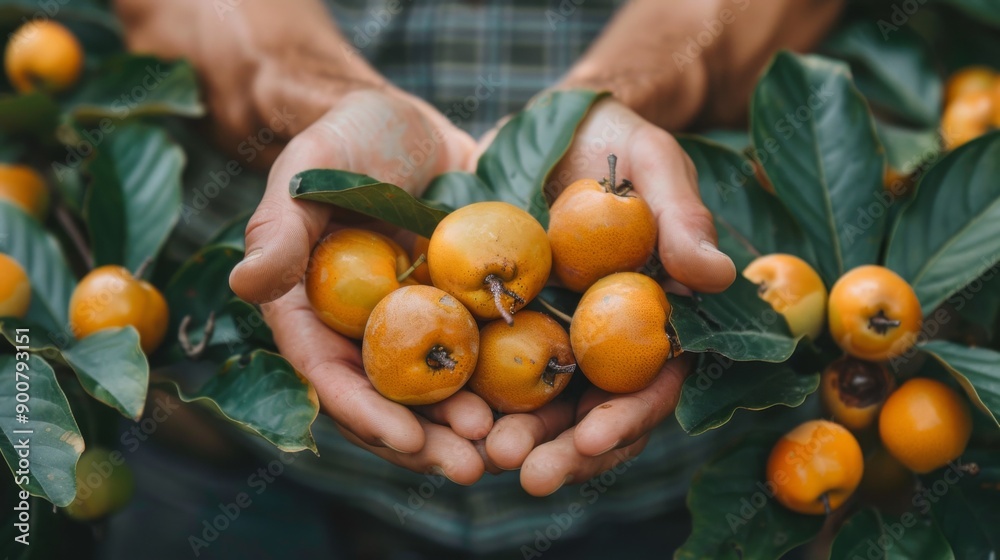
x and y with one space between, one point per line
613 447
255 254
564 482
710 247
386 444
438 471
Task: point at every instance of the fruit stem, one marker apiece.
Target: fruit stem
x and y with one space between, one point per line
194 351
438 358
825 498
141 271
612 164
609 183
553 368
880 323
416 264
498 290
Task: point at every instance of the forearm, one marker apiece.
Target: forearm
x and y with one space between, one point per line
255 56
696 61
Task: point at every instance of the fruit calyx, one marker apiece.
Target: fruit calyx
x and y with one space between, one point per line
862 384
498 289
553 368
880 323
608 183
438 358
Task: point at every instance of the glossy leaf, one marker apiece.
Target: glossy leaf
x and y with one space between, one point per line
965 507
265 396
733 513
232 233
908 148
750 221
201 286
872 535
55 440
735 323
112 369
135 194
370 197
42 258
947 236
896 72
39 340
130 86
823 157
719 387
456 189
517 164
976 369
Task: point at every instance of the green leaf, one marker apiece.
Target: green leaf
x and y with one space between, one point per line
750 221
135 194
733 513
265 396
40 340
517 164
896 72
976 369
130 86
201 286
31 113
239 329
908 148
232 233
735 140
947 236
55 440
819 148
981 10
40 255
736 323
718 387
871 535
370 197
112 369
456 189
965 506
13 12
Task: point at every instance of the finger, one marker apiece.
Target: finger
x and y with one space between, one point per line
666 178
624 419
515 435
445 453
282 231
556 463
465 413
333 365
480 445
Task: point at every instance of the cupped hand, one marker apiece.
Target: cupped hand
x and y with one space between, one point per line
394 138
563 442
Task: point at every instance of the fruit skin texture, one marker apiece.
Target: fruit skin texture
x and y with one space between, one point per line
852 391
422 273
104 484
350 271
43 55
489 238
25 188
109 296
866 292
793 289
618 332
595 233
15 288
403 330
925 424
968 80
818 457
513 361
967 118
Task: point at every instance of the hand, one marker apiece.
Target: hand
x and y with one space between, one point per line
365 132
560 442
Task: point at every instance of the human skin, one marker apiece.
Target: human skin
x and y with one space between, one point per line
263 57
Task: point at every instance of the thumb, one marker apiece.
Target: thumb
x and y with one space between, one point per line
282 231
687 237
